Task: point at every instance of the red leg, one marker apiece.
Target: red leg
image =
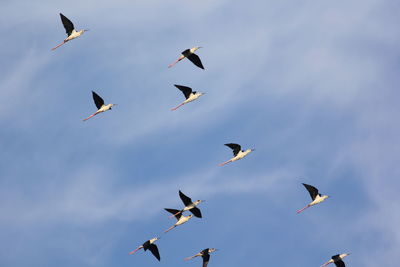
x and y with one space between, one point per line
54 48
300 210
169 229
175 108
172 64
94 114
224 163
132 252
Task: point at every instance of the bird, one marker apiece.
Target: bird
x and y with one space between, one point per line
189 54
315 196
205 254
181 218
70 29
189 94
189 205
238 153
99 102
337 259
149 245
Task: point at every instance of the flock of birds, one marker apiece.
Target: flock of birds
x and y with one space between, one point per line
238 154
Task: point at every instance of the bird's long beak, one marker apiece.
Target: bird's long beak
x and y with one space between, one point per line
253 149
86 30
158 238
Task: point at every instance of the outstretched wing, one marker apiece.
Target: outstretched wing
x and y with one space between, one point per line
185 90
195 60
185 199
98 101
196 212
206 259
154 250
68 25
312 190
173 211
235 147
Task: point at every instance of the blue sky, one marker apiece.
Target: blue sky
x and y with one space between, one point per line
312 85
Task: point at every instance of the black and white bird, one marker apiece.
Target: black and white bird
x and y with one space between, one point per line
337 260
189 94
181 218
70 29
149 245
189 205
315 196
101 107
238 153
205 254
189 54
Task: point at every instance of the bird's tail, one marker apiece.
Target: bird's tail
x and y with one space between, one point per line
175 108
94 114
224 163
300 210
54 48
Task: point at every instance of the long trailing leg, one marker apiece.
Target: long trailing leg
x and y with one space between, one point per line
54 48
176 213
179 59
300 210
94 114
132 252
169 229
180 105
191 257
224 163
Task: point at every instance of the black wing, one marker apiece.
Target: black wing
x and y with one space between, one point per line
185 199
340 263
196 212
173 211
235 147
153 248
185 90
195 60
68 25
312 190
206 259
98 101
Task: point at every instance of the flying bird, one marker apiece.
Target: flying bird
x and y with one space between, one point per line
189 205
205 254
337 259
189 95
99 102
315 196
149 245
189 54
181 218
70 29
238 153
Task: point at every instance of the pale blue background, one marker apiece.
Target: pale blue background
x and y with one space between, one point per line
312 85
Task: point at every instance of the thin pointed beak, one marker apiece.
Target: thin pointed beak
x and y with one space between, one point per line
86 30
253 149
158 238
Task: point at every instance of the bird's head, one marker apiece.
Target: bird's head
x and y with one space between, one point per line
154 239
344 255
194 49
190 216
111 105
212 250
83 31
325 197
197 202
